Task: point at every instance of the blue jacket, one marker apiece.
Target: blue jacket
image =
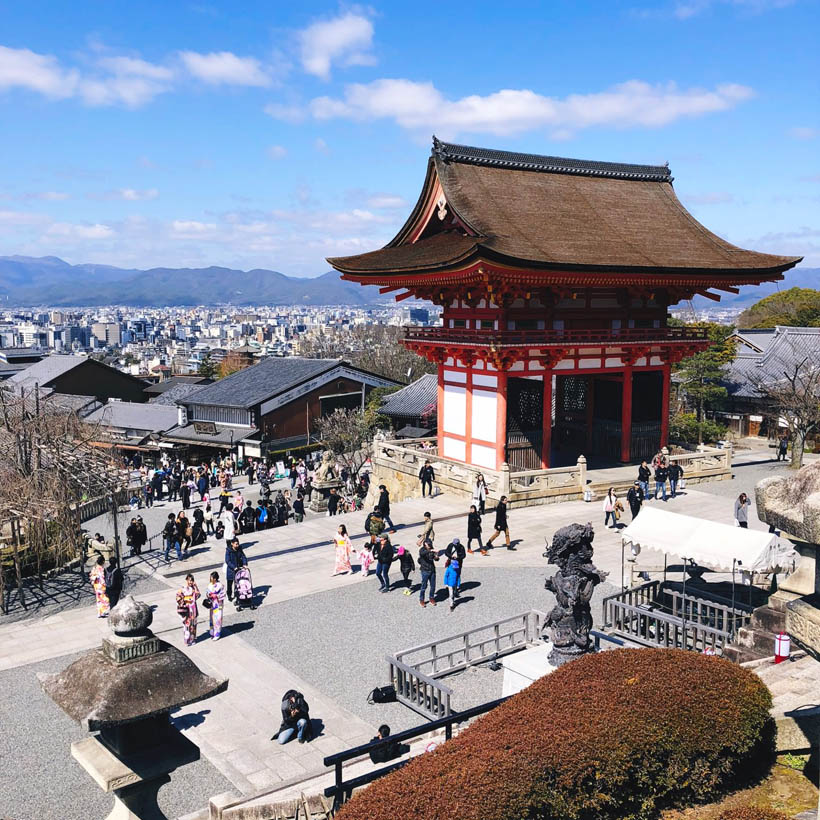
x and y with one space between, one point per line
233 560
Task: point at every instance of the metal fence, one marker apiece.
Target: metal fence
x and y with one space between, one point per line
414 671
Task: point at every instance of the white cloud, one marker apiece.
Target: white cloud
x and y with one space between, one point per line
135 67
804 133
21 68
132 195
690 8
20 218
192 229
345 40
49 196
321 146
225 68
386 201
421 107
277 152
803 242
74 231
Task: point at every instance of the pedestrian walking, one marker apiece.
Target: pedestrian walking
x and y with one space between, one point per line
480 493
208 518
97 578
131 536
299 508
184 533
644 474
343 550
428 533
384 506
661 474
202 486
247 518
610 500
113 581
148 491
427 566
234 558
170 537
333 502
501 524
365 559
187 596
185 493
215 604
407 566
455 550
374 524
427 476
742 510
226 518
383 553
474 530
635 499
783 447
451 574
675 473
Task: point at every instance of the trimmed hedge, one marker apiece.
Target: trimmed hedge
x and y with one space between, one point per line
753 813
621 734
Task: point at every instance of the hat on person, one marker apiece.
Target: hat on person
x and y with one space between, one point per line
400 550
456 541
637 483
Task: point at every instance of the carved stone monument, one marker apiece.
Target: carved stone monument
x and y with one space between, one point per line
324 481
791 504
570 620
125 691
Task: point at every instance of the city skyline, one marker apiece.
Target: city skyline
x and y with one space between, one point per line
271 137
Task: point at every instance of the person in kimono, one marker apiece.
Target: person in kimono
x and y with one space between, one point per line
216 598
187 597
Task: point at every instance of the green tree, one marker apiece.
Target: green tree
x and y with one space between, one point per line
796 307
208 367
700 375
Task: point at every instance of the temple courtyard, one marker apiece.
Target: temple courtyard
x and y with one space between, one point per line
325 636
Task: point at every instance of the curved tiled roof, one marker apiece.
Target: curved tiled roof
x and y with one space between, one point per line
413 400
550 212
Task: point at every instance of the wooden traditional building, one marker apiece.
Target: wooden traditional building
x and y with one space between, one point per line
555 277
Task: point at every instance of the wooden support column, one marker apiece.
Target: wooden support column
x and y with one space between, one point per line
501 421
626 416
666 377
546 422
440 410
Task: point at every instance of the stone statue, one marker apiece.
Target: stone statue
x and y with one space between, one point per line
326 471
570 620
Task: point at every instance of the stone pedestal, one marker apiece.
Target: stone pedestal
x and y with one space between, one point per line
524 667
803 622
135 779
806 579
321 493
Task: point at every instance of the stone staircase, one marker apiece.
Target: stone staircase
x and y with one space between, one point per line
756 640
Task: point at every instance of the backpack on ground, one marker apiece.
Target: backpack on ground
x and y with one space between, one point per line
382 694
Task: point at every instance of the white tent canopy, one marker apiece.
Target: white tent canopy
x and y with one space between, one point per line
709 543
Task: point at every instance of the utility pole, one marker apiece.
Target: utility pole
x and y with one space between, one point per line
115 514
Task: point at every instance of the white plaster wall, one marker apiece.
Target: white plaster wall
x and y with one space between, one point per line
484 415
455 410
453 448
485 381
455 376
482 456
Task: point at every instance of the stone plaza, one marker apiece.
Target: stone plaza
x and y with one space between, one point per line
325 636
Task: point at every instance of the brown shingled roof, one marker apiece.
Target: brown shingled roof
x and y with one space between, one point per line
550 212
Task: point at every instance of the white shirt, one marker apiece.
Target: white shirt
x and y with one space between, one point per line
226 517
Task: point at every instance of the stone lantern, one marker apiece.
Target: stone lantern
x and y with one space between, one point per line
125 691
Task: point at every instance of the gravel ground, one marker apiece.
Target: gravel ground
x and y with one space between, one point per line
69 590
39 779
337 640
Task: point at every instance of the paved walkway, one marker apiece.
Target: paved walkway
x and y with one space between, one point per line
233 730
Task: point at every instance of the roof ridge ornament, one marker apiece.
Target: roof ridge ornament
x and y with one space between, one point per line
513 160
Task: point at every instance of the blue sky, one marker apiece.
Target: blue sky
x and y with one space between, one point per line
273 135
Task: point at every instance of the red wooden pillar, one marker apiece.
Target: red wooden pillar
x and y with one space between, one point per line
546 424
626 416
666 377
501 421
440 410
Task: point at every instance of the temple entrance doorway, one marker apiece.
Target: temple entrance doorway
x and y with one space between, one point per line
525 422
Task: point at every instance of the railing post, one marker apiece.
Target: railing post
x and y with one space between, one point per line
582 472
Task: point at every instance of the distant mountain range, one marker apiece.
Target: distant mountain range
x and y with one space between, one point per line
749 294
48 280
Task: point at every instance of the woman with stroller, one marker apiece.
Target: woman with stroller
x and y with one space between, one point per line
215 603
234 558
343 550
187 597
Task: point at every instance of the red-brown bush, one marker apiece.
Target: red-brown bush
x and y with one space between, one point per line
752 813
620 734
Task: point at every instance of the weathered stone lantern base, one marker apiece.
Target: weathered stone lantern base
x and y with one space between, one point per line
134 780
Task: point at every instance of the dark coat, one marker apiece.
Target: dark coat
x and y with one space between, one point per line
427 559
290 720
501 516
457 550
233 560
406 562
384 503
383 552
473 525
426 473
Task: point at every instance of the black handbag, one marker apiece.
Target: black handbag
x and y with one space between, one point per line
382 694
